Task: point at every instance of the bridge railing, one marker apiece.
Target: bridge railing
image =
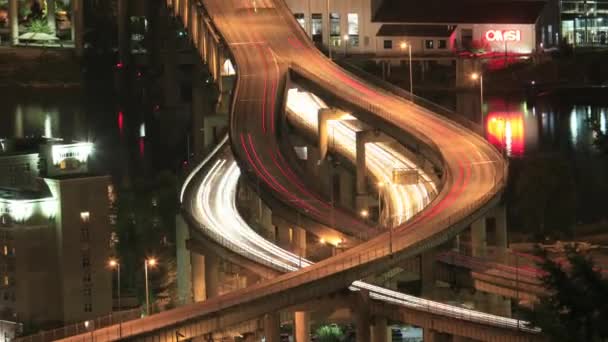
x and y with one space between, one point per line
420 101
83 327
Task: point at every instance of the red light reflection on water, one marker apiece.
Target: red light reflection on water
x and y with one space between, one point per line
505 130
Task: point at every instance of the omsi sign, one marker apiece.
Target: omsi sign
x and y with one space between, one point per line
503 36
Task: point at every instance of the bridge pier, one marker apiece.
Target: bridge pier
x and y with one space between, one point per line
364 137
272 327
479 234
324 116
380 330
361 311
302 326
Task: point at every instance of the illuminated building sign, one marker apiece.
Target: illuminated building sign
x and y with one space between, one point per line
503 35
79 152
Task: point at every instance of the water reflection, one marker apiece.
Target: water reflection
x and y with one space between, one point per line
516 128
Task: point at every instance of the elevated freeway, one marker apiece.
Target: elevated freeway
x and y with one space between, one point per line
266 45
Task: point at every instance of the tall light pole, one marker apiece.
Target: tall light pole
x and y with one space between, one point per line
479 76
114 264
345 45
380 187
409 47
148 262
328 30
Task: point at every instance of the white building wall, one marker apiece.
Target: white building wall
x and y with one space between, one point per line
526 43
363 8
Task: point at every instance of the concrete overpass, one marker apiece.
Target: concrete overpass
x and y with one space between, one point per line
263 44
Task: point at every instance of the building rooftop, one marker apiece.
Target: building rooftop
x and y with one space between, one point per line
24 195
459 11
409 30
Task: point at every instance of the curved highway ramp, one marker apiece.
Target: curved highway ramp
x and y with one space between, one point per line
266 42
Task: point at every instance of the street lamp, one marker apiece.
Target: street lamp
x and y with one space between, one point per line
479 76
114 264
409 47
345 45
328 29
380 187
364 213
151 262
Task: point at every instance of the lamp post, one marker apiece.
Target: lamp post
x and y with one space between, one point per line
148 262
380 187
409 47
114 264
479 76
345 45
328 30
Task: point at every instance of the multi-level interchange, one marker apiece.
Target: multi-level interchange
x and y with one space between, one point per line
283 80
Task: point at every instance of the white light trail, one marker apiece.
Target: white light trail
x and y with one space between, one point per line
405 200
215 208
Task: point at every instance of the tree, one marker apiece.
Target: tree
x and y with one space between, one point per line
575 307
329 333
145 228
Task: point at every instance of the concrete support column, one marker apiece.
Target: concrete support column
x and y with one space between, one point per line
18 122
199 287
427 273
272 327
302 326
50 15
123 37
13 17
198 113
347 192
78 25
380 331
324 115
361 200
212 275
499 305
500 215
299 241
362 316
479 238
170 87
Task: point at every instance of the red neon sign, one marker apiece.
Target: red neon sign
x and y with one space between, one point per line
503 35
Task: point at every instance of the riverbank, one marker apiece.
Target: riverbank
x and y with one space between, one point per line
40 68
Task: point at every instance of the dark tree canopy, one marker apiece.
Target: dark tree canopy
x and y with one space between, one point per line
576 306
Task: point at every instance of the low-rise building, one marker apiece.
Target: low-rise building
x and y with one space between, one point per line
432 27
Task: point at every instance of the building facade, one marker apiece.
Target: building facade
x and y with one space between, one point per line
584 22
54 237
432 27
22 22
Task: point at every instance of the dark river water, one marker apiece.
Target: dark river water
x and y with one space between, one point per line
130 144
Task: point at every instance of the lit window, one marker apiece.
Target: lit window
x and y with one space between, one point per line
353 29
290 235
388 44
429 44
5 250
84 216
317 24
6 282
300 19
